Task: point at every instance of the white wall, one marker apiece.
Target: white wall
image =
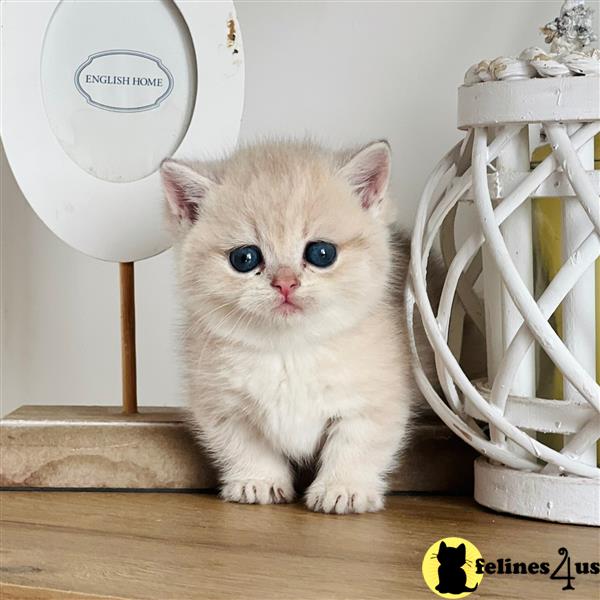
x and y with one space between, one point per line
343 72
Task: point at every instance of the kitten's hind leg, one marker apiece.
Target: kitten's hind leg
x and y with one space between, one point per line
251 471
358 454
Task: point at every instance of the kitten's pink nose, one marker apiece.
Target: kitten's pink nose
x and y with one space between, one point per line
285 281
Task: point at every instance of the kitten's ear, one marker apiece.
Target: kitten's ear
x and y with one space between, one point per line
368 173
185 189
462 550
442 546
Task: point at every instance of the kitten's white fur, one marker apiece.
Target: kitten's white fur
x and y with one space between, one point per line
332 381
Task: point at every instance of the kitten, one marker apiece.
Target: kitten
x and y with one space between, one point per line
295 345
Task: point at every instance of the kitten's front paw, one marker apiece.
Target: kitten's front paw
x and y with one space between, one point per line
257 491
342 498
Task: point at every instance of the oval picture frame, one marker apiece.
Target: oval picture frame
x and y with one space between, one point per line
112 221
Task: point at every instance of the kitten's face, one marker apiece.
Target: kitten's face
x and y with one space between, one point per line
283 247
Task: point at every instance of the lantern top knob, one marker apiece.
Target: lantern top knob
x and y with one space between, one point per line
572 30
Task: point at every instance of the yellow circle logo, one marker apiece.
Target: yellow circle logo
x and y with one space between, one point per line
449 568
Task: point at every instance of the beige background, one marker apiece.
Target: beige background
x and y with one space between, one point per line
344 72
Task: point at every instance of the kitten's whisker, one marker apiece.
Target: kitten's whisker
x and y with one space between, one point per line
203 318
204 315
218 325
208 337
230 333
245 315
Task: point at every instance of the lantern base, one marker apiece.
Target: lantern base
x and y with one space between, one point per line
563 499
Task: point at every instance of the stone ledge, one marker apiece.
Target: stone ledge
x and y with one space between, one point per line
97 447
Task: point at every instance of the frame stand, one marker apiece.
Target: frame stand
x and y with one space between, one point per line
128 353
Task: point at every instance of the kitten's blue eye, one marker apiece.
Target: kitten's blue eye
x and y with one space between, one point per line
320 254
245 259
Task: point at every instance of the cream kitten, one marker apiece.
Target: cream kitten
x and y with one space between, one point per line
295 346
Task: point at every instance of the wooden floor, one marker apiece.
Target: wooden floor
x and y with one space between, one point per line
159 545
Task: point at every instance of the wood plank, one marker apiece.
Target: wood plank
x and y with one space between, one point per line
24 592
157 546
95 414
99 447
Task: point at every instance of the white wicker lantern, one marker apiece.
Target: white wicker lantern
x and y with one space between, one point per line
503 105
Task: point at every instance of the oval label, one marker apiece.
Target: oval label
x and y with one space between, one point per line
123 80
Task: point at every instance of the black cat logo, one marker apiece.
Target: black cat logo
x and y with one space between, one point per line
449 567
452 577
